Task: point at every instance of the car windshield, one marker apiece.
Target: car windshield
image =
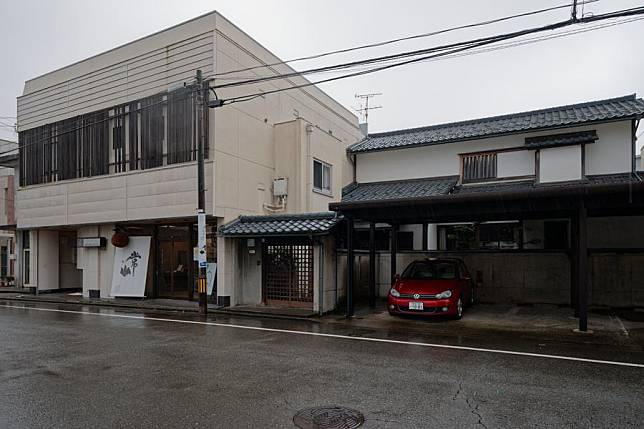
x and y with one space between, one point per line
430 270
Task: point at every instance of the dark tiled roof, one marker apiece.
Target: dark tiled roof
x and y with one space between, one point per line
556 117
427 188
609 179
495 187
281 224
561 139
527 185
417 188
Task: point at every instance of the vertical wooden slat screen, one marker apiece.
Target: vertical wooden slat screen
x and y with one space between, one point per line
478 167
147 133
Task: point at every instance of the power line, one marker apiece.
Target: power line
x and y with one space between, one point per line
532 40
476 51
407 54
452 50
402 39
461 48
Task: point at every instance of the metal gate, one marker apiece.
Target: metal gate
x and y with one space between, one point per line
288 275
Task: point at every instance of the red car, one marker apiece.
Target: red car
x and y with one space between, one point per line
432 287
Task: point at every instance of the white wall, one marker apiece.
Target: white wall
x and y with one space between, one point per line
46 252
610 154
159 193
266 138
515 163
129 72
613 152
97 263
560 164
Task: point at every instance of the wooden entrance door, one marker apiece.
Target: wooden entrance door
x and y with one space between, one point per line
175 263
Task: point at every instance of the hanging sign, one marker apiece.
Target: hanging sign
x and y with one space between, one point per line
211 275
131 268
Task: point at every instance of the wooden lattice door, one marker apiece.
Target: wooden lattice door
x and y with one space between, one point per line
288 275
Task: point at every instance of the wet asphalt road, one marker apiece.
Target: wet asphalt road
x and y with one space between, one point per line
75 370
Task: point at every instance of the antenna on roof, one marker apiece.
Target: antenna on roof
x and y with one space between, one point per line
364 109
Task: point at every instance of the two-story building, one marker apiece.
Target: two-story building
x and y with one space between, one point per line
8 162
108 150
544 206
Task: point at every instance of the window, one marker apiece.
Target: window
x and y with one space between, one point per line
405 240
4 257
499 235
26 257
478 167
456 237
361 238
555 234
321 176
485 236
146 133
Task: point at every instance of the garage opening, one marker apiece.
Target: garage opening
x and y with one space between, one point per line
288 275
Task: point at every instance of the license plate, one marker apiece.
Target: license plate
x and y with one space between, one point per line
415 305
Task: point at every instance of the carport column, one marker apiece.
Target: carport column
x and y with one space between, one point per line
574 263
582 267
394 248
372 264
425 237
350 262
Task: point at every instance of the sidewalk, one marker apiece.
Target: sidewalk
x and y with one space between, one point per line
482 324
178 305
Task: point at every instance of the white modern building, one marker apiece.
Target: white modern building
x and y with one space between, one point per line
108 148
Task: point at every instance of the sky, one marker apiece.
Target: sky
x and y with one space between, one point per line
40 36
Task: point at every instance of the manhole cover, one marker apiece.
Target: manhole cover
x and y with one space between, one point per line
328 417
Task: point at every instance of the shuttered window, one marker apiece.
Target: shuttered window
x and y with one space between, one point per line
478 167
147 133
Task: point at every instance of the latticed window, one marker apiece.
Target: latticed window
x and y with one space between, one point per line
147 133
478 167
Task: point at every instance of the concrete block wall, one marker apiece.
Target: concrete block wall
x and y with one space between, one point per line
617 280
507 277
329 279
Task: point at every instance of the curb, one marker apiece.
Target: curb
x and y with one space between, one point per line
163 308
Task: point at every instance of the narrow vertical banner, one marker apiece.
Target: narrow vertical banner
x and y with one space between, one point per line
201 239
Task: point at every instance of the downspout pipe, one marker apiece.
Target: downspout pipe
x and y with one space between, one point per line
321 275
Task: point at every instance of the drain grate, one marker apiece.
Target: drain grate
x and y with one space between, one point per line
328 418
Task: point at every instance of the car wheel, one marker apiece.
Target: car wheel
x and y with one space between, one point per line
459 309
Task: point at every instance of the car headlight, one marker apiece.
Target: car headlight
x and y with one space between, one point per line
445 294
394 293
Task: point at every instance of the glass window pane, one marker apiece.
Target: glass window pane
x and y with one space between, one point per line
317 174
327 178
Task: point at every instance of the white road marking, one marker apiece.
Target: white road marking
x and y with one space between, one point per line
336 336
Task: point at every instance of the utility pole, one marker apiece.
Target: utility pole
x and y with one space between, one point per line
202 286
365 107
